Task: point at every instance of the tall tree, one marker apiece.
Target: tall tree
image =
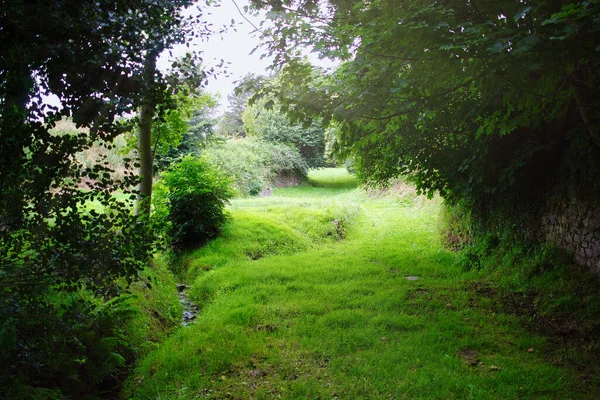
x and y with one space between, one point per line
166 26
184 130
147 112
231 123
92 56
473 98
264 119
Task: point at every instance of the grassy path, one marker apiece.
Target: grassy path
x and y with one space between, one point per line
294 306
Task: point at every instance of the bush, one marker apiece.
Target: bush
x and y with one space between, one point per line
72 343
254 164
196 194
456 226
76 343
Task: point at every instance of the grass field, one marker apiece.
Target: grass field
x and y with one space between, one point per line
322 291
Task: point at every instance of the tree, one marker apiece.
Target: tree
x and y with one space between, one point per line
265 120
477 100
59 235
95 77
184 130
231 123
159 91
255 165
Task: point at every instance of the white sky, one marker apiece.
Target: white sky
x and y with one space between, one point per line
232 47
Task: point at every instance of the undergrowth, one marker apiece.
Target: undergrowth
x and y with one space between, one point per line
551 295
538 282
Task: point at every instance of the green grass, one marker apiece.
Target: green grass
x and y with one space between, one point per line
156 297
326 314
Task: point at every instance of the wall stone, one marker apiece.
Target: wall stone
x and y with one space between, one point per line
574 225
288 178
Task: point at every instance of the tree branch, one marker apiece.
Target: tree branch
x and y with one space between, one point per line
246 18
419 102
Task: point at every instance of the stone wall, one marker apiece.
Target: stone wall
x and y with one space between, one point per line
575 225
288 178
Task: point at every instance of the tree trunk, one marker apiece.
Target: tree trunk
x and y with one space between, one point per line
146 159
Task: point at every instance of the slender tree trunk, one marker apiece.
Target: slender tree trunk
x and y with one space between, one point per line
146 161
147 112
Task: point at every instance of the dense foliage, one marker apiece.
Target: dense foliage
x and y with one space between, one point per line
231 123
255 165
66 228
488 103
185 129
195 194
264 119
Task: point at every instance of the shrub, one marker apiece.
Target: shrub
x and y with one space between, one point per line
456 226
196 194
254 164
76 343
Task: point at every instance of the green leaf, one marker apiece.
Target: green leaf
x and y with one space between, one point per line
521 13
526 44
498 47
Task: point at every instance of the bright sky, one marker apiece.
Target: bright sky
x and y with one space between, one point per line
232 47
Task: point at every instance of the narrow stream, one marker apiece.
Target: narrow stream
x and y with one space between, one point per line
190 310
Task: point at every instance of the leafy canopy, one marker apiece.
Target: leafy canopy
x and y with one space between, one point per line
66 227
471 98
264 119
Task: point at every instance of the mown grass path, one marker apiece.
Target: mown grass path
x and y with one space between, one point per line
294 306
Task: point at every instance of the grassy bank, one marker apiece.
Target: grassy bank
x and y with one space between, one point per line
322 291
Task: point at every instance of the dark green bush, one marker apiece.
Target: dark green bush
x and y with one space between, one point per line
74 343
63 325
196 194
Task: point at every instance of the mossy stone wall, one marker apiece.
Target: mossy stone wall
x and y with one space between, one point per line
574 225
